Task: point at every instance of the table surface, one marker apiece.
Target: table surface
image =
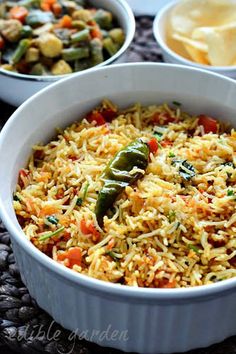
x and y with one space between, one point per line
18 311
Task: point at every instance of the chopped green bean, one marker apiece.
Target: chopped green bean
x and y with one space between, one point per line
96 51
103 19
80 36
20 51
82 64
79 24
26 31
71 54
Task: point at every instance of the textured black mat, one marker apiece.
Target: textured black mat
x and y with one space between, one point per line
24 327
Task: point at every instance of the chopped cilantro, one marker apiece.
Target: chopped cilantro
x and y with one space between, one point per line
230 192
53 220
194 248
186 170
171 216
158 136
171 154
79 201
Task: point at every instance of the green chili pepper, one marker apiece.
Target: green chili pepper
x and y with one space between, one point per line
20 51
116 175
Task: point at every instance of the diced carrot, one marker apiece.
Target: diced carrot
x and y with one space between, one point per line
2 42
95 32
74 256
57 9
45 6
209 124
48 210
89 229
165 283
71 257
96 117
153 145
18 13
65 22
166 143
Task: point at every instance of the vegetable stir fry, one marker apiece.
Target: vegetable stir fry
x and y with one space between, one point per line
56 37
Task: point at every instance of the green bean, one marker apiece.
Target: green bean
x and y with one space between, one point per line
70 54
79 24
103 19
20 51
110 46
82 64
96 51
26 31
80 36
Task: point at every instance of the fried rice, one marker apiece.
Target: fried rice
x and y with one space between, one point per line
170 229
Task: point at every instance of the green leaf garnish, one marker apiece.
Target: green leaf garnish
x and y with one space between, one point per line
51 234
230 192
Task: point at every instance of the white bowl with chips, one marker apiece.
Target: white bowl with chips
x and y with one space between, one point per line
160 29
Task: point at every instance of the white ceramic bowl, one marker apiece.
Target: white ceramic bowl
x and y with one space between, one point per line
170 56
16 88
156 320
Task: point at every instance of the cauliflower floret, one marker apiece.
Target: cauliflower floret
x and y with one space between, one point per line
61 67
50 46
11 29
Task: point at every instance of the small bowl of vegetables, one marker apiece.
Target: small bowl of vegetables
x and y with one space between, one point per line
42 41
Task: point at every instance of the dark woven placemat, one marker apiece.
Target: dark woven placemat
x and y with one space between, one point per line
24 327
